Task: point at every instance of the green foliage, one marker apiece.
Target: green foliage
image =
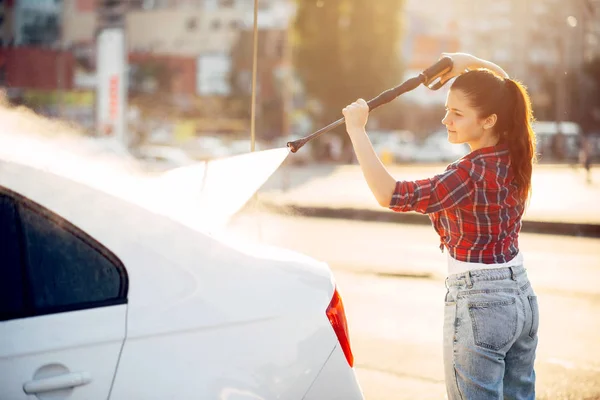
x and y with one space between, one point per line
591 113
346 49
592 69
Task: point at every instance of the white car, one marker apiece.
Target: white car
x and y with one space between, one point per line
436 148
397 144
163 157
101 298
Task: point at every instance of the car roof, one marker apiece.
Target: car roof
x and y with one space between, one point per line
105 216
203 196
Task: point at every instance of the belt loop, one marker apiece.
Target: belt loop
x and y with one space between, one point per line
446 283
513 276
468 279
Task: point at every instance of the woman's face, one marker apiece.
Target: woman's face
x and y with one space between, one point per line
463 123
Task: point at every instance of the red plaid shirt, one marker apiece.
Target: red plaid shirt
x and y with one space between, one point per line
473 206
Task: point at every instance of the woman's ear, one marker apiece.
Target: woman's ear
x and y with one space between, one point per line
490 121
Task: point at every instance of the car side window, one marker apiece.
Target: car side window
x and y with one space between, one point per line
48 265
65 268
12 299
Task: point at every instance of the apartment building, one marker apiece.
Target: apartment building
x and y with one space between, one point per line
7 22
29 22
178 27
540 42
528 33
201 30
591 30
426 35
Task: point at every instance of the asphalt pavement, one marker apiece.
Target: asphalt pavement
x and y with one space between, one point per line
391 276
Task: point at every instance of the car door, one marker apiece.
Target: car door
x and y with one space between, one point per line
62 306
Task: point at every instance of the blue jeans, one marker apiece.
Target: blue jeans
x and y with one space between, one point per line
491 321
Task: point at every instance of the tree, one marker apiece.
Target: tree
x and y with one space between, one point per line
592 69
591 114
346 49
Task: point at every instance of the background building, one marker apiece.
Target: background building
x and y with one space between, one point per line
202 50
540 42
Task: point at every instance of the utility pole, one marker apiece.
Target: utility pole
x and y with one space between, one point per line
61 59
111 70
561 71
287 81
565 23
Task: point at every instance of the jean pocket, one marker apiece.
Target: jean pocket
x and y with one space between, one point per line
535 316
494 322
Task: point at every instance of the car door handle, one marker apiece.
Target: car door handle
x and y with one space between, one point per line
66 381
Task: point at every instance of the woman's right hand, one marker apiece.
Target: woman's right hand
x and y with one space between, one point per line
461 63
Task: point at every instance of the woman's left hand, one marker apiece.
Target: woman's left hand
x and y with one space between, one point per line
356 115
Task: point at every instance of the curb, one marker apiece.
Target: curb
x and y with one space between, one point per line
542 227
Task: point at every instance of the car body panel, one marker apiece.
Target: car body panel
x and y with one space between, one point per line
220 316
336 381
275 358
80 342
172 265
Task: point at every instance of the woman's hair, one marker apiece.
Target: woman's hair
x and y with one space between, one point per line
508 99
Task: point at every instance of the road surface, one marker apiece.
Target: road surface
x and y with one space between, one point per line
391 281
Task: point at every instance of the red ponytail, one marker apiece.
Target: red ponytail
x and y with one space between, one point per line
521 138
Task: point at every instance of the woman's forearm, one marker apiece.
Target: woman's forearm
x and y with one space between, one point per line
480 63
381 183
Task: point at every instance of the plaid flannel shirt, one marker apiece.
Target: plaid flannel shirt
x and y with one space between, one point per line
473 206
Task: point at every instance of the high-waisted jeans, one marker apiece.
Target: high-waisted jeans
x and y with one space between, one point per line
491 321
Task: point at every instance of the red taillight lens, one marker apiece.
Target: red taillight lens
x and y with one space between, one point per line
337 318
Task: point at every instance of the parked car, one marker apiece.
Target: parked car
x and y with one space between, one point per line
394 146
161 158
554 147
436 148
205 148
102 298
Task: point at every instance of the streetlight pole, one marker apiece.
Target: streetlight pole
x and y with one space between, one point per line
560 91
61 60
563 43
254 71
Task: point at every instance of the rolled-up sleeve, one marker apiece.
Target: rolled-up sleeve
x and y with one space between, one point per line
452 188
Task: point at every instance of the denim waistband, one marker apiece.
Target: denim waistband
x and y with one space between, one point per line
516 273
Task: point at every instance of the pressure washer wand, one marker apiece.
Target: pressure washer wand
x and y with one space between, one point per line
426 77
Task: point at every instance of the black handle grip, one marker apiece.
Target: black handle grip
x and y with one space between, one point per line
437 70
382 98
390 94
427 78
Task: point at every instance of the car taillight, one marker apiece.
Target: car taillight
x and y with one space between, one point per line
337 318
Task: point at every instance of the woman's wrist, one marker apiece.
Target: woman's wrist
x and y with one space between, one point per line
475 63
481 63
355 131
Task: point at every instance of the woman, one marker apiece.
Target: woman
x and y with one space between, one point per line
476 206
